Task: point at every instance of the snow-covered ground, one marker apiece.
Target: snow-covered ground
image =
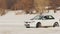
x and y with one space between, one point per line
29 31
14 24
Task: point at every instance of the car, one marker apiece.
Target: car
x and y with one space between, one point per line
42 20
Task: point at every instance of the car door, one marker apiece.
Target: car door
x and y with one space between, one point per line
47 20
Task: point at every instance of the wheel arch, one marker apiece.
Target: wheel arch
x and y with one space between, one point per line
38 23
55 24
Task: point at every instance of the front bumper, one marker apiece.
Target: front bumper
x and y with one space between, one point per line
27 25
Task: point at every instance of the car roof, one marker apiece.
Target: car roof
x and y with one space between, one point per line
44 15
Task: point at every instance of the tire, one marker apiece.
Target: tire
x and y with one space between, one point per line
56 24
38 25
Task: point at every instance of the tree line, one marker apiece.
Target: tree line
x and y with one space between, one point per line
29 5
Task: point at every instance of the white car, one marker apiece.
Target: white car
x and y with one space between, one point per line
42 20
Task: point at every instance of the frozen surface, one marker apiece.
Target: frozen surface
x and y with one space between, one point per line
14 24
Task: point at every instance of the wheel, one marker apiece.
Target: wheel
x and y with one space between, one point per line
38 25
56 24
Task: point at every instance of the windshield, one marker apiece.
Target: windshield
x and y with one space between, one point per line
37 17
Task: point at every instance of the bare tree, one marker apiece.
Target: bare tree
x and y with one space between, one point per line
40 5
25 5
3 7
3 4
2 12
54 4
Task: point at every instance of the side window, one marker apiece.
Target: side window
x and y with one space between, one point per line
48 17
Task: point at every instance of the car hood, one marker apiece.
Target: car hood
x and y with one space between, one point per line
29 21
